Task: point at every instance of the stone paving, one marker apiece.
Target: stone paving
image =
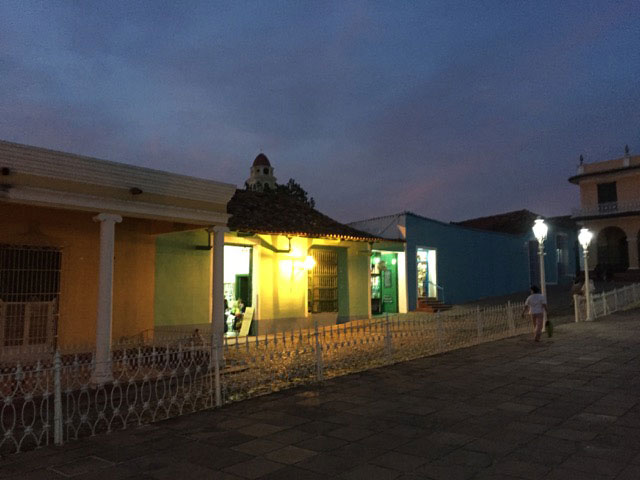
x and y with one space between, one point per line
568 408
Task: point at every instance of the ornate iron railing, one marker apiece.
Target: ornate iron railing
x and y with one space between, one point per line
55 400
607 208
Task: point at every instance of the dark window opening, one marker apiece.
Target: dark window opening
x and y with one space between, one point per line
607 193
29 291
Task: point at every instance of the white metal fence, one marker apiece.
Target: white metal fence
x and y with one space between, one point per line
54 400
605 303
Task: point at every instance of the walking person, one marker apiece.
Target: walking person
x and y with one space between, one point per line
537 306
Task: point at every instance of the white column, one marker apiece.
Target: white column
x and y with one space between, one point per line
369 251
217 288
587 288
102 372
543 281
402 283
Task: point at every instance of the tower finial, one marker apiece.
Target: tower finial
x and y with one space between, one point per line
581 159
626 150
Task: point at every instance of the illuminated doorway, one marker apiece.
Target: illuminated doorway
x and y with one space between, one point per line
426 273
237 274
384 282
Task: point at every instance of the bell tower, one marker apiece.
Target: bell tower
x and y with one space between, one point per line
261 176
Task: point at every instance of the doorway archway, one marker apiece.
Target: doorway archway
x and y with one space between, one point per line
613 251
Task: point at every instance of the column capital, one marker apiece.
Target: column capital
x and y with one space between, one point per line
218 229
107 217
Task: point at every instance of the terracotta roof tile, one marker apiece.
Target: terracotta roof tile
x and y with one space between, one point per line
517 222
277 213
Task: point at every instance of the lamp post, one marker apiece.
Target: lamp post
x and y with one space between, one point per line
540 230
584 237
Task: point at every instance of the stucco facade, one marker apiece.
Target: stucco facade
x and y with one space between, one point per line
610 208
279 281
78 248
466 264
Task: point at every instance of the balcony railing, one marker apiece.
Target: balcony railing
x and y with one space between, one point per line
608 208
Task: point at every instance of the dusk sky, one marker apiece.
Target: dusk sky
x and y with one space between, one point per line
452 110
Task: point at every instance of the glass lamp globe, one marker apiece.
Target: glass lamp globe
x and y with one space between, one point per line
584 237
540 230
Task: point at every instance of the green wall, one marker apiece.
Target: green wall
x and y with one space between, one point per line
182 279
343 285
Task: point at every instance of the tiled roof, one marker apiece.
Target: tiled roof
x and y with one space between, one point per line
276 213
517 222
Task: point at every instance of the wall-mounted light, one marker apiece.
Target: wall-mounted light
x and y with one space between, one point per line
309 263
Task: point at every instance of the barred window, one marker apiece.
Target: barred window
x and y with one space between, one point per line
323 282
29 291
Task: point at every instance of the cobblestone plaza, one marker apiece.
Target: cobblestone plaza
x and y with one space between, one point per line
567 408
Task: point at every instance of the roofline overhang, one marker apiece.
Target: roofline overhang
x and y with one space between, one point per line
246 232
43 197
579 218
576 178
89 171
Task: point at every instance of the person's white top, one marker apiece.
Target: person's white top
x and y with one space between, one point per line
535 302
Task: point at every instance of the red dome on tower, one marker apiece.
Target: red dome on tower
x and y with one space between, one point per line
261 161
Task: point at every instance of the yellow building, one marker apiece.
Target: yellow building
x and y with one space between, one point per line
610 207
78 245
305 266
289 264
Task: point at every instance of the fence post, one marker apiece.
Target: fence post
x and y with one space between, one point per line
319 366
216 377
387 338
57 400
576 307
605 306
479 324
615 300
510 320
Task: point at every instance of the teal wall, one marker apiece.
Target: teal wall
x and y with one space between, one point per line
470 264
473 264
182 279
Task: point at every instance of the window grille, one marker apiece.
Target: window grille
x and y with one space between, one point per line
323 282
29 293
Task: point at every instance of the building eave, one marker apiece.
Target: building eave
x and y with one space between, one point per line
579 218
577 178
310 235
128 208
82 170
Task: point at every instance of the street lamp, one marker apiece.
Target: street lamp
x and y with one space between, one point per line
584 237
540 230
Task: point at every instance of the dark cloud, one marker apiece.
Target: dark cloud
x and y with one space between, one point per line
451 110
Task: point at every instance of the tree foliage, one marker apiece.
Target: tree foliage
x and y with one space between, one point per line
293 189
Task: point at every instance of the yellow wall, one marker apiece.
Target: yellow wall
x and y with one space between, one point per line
281 283
627 187
78 236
